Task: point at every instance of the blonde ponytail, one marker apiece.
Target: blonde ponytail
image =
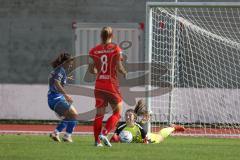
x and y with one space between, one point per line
106 34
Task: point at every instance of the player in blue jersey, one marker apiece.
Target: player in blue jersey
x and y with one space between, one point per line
58 100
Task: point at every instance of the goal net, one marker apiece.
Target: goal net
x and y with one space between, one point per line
199 45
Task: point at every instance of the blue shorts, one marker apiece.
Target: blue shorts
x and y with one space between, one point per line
59 106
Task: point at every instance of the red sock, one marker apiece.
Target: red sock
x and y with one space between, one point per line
111 123
97 127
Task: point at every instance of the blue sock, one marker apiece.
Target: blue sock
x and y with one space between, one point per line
70 126
61 126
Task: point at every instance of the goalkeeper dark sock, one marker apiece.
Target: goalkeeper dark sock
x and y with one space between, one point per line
61 126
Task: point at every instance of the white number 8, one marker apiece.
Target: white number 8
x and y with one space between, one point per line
104 63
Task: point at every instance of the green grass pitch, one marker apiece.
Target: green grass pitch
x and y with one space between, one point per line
32 147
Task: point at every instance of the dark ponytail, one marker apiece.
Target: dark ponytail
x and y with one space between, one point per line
140 108
63 57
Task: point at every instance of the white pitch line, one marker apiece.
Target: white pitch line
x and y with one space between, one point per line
38 132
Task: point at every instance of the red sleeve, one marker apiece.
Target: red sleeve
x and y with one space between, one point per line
91 56
119 50
119 54
91 52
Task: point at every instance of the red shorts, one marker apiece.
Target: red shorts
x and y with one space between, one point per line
105 97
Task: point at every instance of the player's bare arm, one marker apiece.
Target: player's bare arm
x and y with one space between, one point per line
61 90
121 69
91 66
92 69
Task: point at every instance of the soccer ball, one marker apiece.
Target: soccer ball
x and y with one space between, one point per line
125 136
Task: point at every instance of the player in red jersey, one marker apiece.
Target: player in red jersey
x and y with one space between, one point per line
105 61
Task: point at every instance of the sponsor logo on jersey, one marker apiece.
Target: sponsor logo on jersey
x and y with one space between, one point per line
104 51
104 77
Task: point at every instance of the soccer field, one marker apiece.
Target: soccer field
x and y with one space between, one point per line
26 147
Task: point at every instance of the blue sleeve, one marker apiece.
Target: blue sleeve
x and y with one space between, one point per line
60 75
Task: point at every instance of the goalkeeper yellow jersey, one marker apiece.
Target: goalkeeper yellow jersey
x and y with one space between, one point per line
137 131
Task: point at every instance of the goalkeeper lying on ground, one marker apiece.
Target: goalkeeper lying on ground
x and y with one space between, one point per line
139 134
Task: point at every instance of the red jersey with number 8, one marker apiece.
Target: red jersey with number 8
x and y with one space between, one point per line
105 57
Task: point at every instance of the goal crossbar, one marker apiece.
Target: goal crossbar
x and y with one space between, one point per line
194 4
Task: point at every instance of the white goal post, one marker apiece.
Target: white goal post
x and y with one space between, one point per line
199 45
